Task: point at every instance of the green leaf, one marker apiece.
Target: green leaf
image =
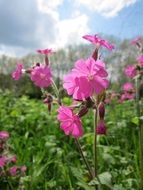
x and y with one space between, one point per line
135 120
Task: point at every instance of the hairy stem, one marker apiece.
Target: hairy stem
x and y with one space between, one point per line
84 159
95 143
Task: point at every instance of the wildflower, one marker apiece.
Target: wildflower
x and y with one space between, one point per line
70 122
41 76
101 128
13 159
2 161
13 170
128 87
45 51
136 41
99 41
130 71
140 60
23 169
86 79
16 75
4 135
127 96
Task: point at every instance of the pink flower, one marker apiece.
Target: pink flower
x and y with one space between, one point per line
23 169
41 76
128 86
136 41
86 79
16 75
13 159
70 122
130 71
13 170
99 41
140 60
127 96
4 135
2 161
45 51
101 128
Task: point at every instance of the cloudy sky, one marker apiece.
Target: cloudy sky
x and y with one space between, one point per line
32 24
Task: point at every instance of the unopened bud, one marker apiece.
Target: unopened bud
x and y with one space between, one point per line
46 60
95 54
83 111
48 100
101 128
101 110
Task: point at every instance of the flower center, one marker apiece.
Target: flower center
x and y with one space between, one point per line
42 76
90 77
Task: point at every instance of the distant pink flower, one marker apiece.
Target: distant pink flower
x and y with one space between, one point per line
86 79
13 159
45 51
130 71
128 86
99 41
2 161
101 128
16 75
23 168
4 135
136 41
140 60
13 170
70 122
41 76
127 96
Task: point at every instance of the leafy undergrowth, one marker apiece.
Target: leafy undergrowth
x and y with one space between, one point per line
52 159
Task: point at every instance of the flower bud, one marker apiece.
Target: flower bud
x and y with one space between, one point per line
46 60
101 110
48 100
95 54
83 111
101 128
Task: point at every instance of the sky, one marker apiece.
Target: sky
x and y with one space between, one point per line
28 25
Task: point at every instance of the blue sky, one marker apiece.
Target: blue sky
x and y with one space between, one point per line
32 24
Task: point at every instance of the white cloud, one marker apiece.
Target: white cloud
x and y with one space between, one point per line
70 31
67 31
107 8
49 7
37 24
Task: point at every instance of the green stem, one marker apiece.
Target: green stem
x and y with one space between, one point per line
84 159
95 143
95 147
57 93
10 185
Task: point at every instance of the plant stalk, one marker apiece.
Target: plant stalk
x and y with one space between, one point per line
95 143
84 159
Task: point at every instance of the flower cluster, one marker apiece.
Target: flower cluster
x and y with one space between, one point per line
85 83
132 72
7 160
40 74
